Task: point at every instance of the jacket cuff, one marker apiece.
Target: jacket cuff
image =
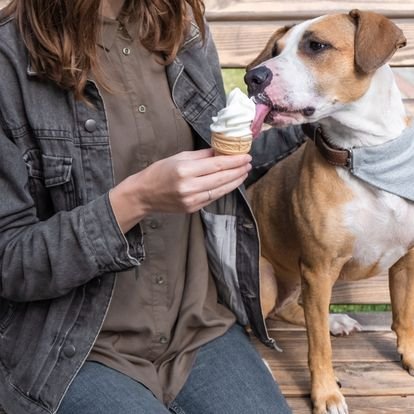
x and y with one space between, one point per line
113 250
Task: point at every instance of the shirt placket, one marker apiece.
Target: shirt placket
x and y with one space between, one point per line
154 270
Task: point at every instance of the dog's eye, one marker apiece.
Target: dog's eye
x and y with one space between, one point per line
275 51
316 46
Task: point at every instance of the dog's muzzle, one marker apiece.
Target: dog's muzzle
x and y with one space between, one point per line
258 79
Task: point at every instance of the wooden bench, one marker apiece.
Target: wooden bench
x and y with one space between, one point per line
366 363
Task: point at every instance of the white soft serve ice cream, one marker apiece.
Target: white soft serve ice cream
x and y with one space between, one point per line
235 119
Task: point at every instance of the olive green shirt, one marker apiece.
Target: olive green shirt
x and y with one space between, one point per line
165 309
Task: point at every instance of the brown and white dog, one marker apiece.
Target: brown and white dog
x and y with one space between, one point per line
319 223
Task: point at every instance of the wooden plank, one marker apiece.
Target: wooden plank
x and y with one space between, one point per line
360 347
362 405
251 10
366 364
369 321
405 81
239 42
357 379
368 291
409 105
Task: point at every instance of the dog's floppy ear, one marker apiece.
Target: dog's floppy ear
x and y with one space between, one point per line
267 52
376 40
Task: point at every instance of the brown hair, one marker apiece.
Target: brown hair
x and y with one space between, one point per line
61 35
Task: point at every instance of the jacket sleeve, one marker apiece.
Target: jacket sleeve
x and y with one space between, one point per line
272 146
45 259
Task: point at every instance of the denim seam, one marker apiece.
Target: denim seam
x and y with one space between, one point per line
175 408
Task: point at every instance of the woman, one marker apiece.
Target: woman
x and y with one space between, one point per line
128 255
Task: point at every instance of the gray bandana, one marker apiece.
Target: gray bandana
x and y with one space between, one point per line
388 166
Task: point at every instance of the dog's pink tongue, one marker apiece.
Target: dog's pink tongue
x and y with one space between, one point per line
261 113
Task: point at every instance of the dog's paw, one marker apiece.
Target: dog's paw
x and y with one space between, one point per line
405 347
341 324
334 403
407 360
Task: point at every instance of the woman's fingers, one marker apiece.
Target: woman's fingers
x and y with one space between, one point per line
206 197
214 180
201 164
188 180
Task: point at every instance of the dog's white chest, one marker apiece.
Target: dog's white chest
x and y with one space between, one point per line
382 223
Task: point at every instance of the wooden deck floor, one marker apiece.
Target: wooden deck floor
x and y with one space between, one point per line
366 364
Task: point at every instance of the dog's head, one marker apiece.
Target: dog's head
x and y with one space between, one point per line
308 71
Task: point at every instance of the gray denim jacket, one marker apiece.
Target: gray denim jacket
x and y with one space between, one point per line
60 245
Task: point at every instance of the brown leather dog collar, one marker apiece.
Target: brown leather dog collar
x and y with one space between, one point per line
336 156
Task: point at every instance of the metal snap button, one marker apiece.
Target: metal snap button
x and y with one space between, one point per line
69 350
154 224
90 125
142 109
126 51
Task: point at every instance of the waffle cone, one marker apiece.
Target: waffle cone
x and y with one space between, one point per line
225 145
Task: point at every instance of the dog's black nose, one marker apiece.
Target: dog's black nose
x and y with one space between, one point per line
257 79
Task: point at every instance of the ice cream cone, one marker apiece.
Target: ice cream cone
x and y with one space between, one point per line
226 145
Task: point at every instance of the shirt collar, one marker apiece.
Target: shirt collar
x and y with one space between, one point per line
111 28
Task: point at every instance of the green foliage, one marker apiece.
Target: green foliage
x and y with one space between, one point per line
233 78
359 308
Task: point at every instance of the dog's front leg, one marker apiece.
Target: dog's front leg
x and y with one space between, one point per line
317 282
401 280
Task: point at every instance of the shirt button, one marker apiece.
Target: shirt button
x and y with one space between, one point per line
163 340
154 224
69 351
90 125
142 109
159 280
126 51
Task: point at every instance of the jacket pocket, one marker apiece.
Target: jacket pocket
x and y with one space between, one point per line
51 183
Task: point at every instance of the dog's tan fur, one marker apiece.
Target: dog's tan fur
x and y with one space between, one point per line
335 70
305 246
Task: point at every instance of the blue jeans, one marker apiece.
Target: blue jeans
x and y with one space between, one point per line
228 377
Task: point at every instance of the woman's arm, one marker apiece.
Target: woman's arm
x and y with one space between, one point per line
46 259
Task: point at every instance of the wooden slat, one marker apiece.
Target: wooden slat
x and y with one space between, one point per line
252 10
367 364
374 290
369 321
362 405
359 347
239 43
409 105
357 379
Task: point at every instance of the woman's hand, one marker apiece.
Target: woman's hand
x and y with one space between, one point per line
183 183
